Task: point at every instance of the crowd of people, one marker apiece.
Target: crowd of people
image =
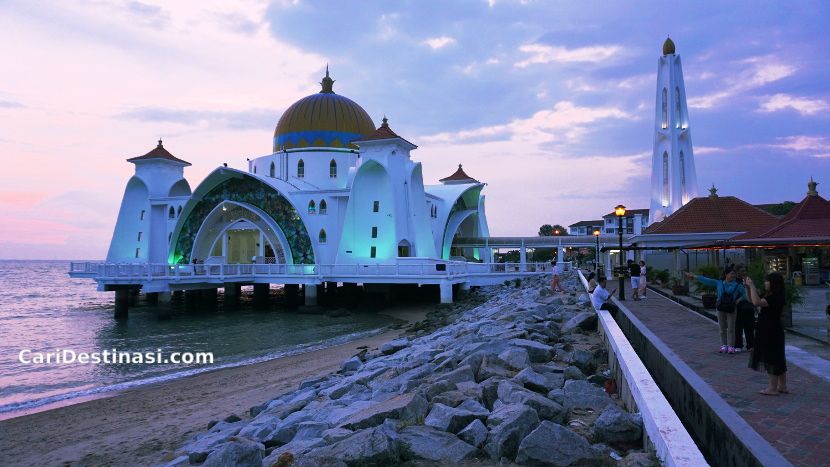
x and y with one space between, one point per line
738 300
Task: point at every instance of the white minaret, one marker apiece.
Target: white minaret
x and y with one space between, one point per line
673 176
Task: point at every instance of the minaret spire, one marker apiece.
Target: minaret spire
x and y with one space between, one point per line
673 175
327 83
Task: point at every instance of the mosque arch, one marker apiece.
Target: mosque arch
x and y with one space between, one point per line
226 184
404 249
180 188
300 168
312 207
321 237
333 169
465 205
272 170
323 207
134 212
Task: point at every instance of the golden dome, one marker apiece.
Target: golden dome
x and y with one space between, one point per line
324 119
668 47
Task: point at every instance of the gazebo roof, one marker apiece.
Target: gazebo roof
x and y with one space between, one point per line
713 213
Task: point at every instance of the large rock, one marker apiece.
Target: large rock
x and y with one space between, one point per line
614 425
474 434
459 375
540 382
493 367
438 387
538 352
587 320
453 419
393 346
352 364
584 360
580 394
511 393
379 445
435 445
516 358
508 425
238 452
410 408
203 444
573 372
260 427
338 390
554 445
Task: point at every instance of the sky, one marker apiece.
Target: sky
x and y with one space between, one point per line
550 103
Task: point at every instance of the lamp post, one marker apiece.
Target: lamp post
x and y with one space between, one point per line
620 213
596 256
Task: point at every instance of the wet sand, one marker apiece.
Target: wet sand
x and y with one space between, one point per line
142 426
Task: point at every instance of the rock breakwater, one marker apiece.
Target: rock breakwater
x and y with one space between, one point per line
511 375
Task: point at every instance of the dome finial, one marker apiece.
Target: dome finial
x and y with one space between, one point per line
811 188
385 121
668 46
327 83
160 143
713 192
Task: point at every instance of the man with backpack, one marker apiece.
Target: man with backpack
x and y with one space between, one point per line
729 292
744 317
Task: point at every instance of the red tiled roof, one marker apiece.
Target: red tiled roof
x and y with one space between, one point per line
628 212
383 132
159 153
808 219
459 176
713 214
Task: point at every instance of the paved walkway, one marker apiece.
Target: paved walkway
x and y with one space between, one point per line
797 424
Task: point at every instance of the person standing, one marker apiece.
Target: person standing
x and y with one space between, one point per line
769 340
556 283
601 295
745 316
634 271
643 280
729 291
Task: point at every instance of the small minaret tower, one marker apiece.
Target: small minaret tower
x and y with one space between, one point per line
673 176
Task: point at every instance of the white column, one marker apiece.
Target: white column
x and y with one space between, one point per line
522 257
310 294
446 292
225 247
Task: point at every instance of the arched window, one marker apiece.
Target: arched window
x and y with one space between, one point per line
683 173
677 122
312 208
272 170
665 179
172 213
333 169
179 213
323 206
665 123
300 169
322 236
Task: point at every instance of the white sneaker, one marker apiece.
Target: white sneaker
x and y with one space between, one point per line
738 350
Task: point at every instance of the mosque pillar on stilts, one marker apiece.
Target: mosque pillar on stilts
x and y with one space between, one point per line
291 291
261 292
122 303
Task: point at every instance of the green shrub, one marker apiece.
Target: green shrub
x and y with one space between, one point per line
712 272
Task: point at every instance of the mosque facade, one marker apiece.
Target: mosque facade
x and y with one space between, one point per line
335 189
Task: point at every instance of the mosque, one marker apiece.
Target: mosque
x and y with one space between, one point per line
334 190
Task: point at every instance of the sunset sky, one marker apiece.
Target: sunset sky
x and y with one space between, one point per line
550 103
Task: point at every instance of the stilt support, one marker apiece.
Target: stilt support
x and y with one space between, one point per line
310 294
122 303
446 292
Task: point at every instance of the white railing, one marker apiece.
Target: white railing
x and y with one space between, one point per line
190 272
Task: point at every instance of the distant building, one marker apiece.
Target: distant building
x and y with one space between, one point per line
634 222
673 176
586 227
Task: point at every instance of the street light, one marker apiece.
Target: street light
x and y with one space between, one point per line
596 256
619 211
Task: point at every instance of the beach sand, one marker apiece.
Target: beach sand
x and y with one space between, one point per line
142 425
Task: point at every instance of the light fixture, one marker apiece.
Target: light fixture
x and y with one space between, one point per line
619 210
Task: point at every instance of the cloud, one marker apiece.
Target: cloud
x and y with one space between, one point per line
745 75
239 120
565 121
10 105
439 42
541 54
702 150
802 105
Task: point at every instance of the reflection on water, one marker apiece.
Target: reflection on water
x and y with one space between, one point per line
42 309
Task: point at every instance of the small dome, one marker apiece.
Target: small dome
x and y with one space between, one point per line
668 47
324 119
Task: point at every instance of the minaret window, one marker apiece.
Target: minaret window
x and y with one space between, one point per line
374 232
139 236
272 170
137 252
172 213
141 217
300 169
322 236
682 173
312 207
677 122
323 206
375 206
665 179
665 123
333 169
373 252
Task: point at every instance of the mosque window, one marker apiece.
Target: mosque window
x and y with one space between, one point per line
272 170
665 123
333 169
322 236
300 169
137 252
682 172
312 207
139 236
373 252
141 217
376 206
254 169
404 249
179 212
665 179
171 213
677 107
323 206
374 232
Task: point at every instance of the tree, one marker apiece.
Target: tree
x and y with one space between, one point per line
548 230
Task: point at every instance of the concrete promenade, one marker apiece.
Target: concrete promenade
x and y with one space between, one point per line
795 424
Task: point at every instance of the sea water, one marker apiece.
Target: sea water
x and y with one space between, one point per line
42 309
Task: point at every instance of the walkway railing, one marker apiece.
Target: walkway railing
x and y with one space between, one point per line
149 272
